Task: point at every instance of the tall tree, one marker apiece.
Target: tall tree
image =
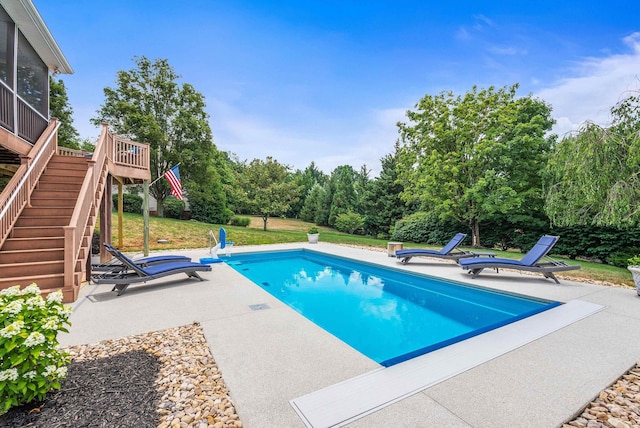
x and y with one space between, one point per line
594 177
312 204
150 106
474 156
59 107
343 195
382 204
306 180
268 188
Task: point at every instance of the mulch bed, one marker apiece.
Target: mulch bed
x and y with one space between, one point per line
116 391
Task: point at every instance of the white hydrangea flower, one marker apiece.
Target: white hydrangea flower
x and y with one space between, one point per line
30 375
34 302
11 291
31 289
64 311
55 297
13 308
49 370
9 374
61 372
51 324
34 339
12 329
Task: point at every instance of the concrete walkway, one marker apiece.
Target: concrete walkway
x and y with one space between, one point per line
273 355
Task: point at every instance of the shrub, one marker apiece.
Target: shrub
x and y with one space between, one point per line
173 207
633 261
424 227
30 362
349 222
313 230
239 221
621 258
130 203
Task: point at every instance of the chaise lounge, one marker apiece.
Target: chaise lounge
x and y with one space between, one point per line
134 273
530 262
117 266
447 252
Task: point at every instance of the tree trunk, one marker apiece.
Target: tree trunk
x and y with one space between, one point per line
475 233
264 219
159 207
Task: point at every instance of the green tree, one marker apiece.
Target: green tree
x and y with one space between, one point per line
474 156
382 205
343 194
207 200
59 107
149 105
306 179
312 203
268 188
349 222
593 177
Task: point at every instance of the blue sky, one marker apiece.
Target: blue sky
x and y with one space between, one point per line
326 81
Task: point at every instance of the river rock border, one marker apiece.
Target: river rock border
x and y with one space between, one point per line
618 406
193 391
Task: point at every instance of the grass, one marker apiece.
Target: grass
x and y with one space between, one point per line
182 234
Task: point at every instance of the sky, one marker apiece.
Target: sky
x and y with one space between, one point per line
327 81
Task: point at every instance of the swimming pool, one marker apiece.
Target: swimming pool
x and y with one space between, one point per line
386 314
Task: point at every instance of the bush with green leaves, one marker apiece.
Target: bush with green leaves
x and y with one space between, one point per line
31 363
633 261
349 222
173 208
424 227
130 203
239 221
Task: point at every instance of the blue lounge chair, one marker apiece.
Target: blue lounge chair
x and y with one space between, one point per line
135 273
447 252
530 262
117 266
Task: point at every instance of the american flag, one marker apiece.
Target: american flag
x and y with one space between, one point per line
173 177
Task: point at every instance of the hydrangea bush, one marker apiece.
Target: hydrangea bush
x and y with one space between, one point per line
31 363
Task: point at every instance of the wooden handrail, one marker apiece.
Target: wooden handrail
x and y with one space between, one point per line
17 194
87 199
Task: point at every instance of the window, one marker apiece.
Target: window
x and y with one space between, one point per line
32 77
6 48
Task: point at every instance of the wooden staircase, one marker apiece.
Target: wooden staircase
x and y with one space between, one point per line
34 251
49 208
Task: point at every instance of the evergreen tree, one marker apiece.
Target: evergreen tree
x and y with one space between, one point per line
382 203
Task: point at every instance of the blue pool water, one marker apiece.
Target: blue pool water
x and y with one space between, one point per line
388 315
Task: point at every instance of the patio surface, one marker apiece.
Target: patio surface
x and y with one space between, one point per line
270 357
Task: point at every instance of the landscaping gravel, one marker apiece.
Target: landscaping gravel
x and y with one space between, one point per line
159 379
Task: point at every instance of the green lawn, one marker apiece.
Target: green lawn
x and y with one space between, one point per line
182 234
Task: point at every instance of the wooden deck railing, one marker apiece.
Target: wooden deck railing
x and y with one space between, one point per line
18 191
130 154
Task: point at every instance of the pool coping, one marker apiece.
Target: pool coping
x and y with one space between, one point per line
352 399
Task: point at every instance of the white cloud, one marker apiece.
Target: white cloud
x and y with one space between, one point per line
595 86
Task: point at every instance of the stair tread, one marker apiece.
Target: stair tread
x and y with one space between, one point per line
30 251
43 262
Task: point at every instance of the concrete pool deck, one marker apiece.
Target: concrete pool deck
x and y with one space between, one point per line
271 356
